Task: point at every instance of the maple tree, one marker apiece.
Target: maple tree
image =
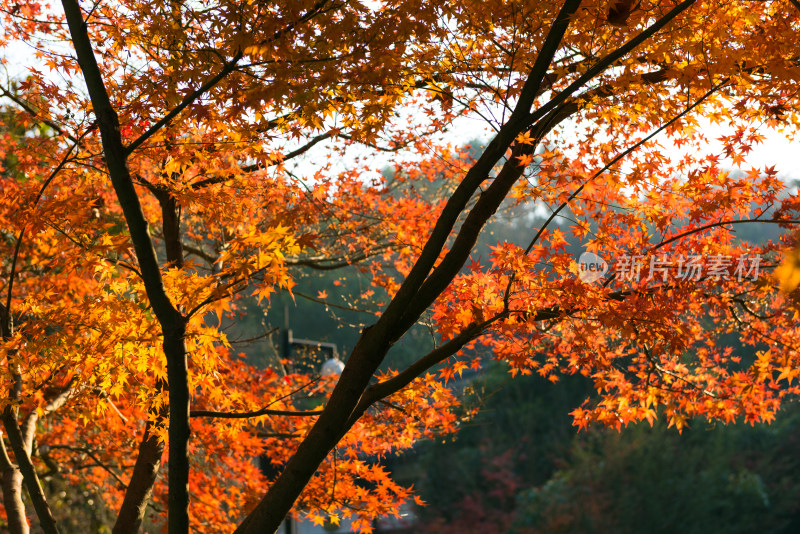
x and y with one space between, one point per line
239 132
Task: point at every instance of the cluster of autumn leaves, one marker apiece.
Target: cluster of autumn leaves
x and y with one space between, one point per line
88 349
247 132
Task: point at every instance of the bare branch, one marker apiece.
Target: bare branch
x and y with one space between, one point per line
254 413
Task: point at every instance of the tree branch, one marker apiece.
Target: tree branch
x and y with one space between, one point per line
227 68
375 341
29 475
173 324
604 63
33 113
12 493
254 413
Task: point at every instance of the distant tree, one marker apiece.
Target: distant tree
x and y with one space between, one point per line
729 479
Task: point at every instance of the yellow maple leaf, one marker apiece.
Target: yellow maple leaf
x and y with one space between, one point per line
788 273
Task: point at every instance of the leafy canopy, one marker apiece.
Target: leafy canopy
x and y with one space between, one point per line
160 160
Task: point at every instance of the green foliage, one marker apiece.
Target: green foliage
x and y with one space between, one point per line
520 468
511 443
725 479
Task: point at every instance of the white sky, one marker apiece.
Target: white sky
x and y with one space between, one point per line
775 150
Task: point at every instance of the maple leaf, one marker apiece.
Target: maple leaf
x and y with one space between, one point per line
525 160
